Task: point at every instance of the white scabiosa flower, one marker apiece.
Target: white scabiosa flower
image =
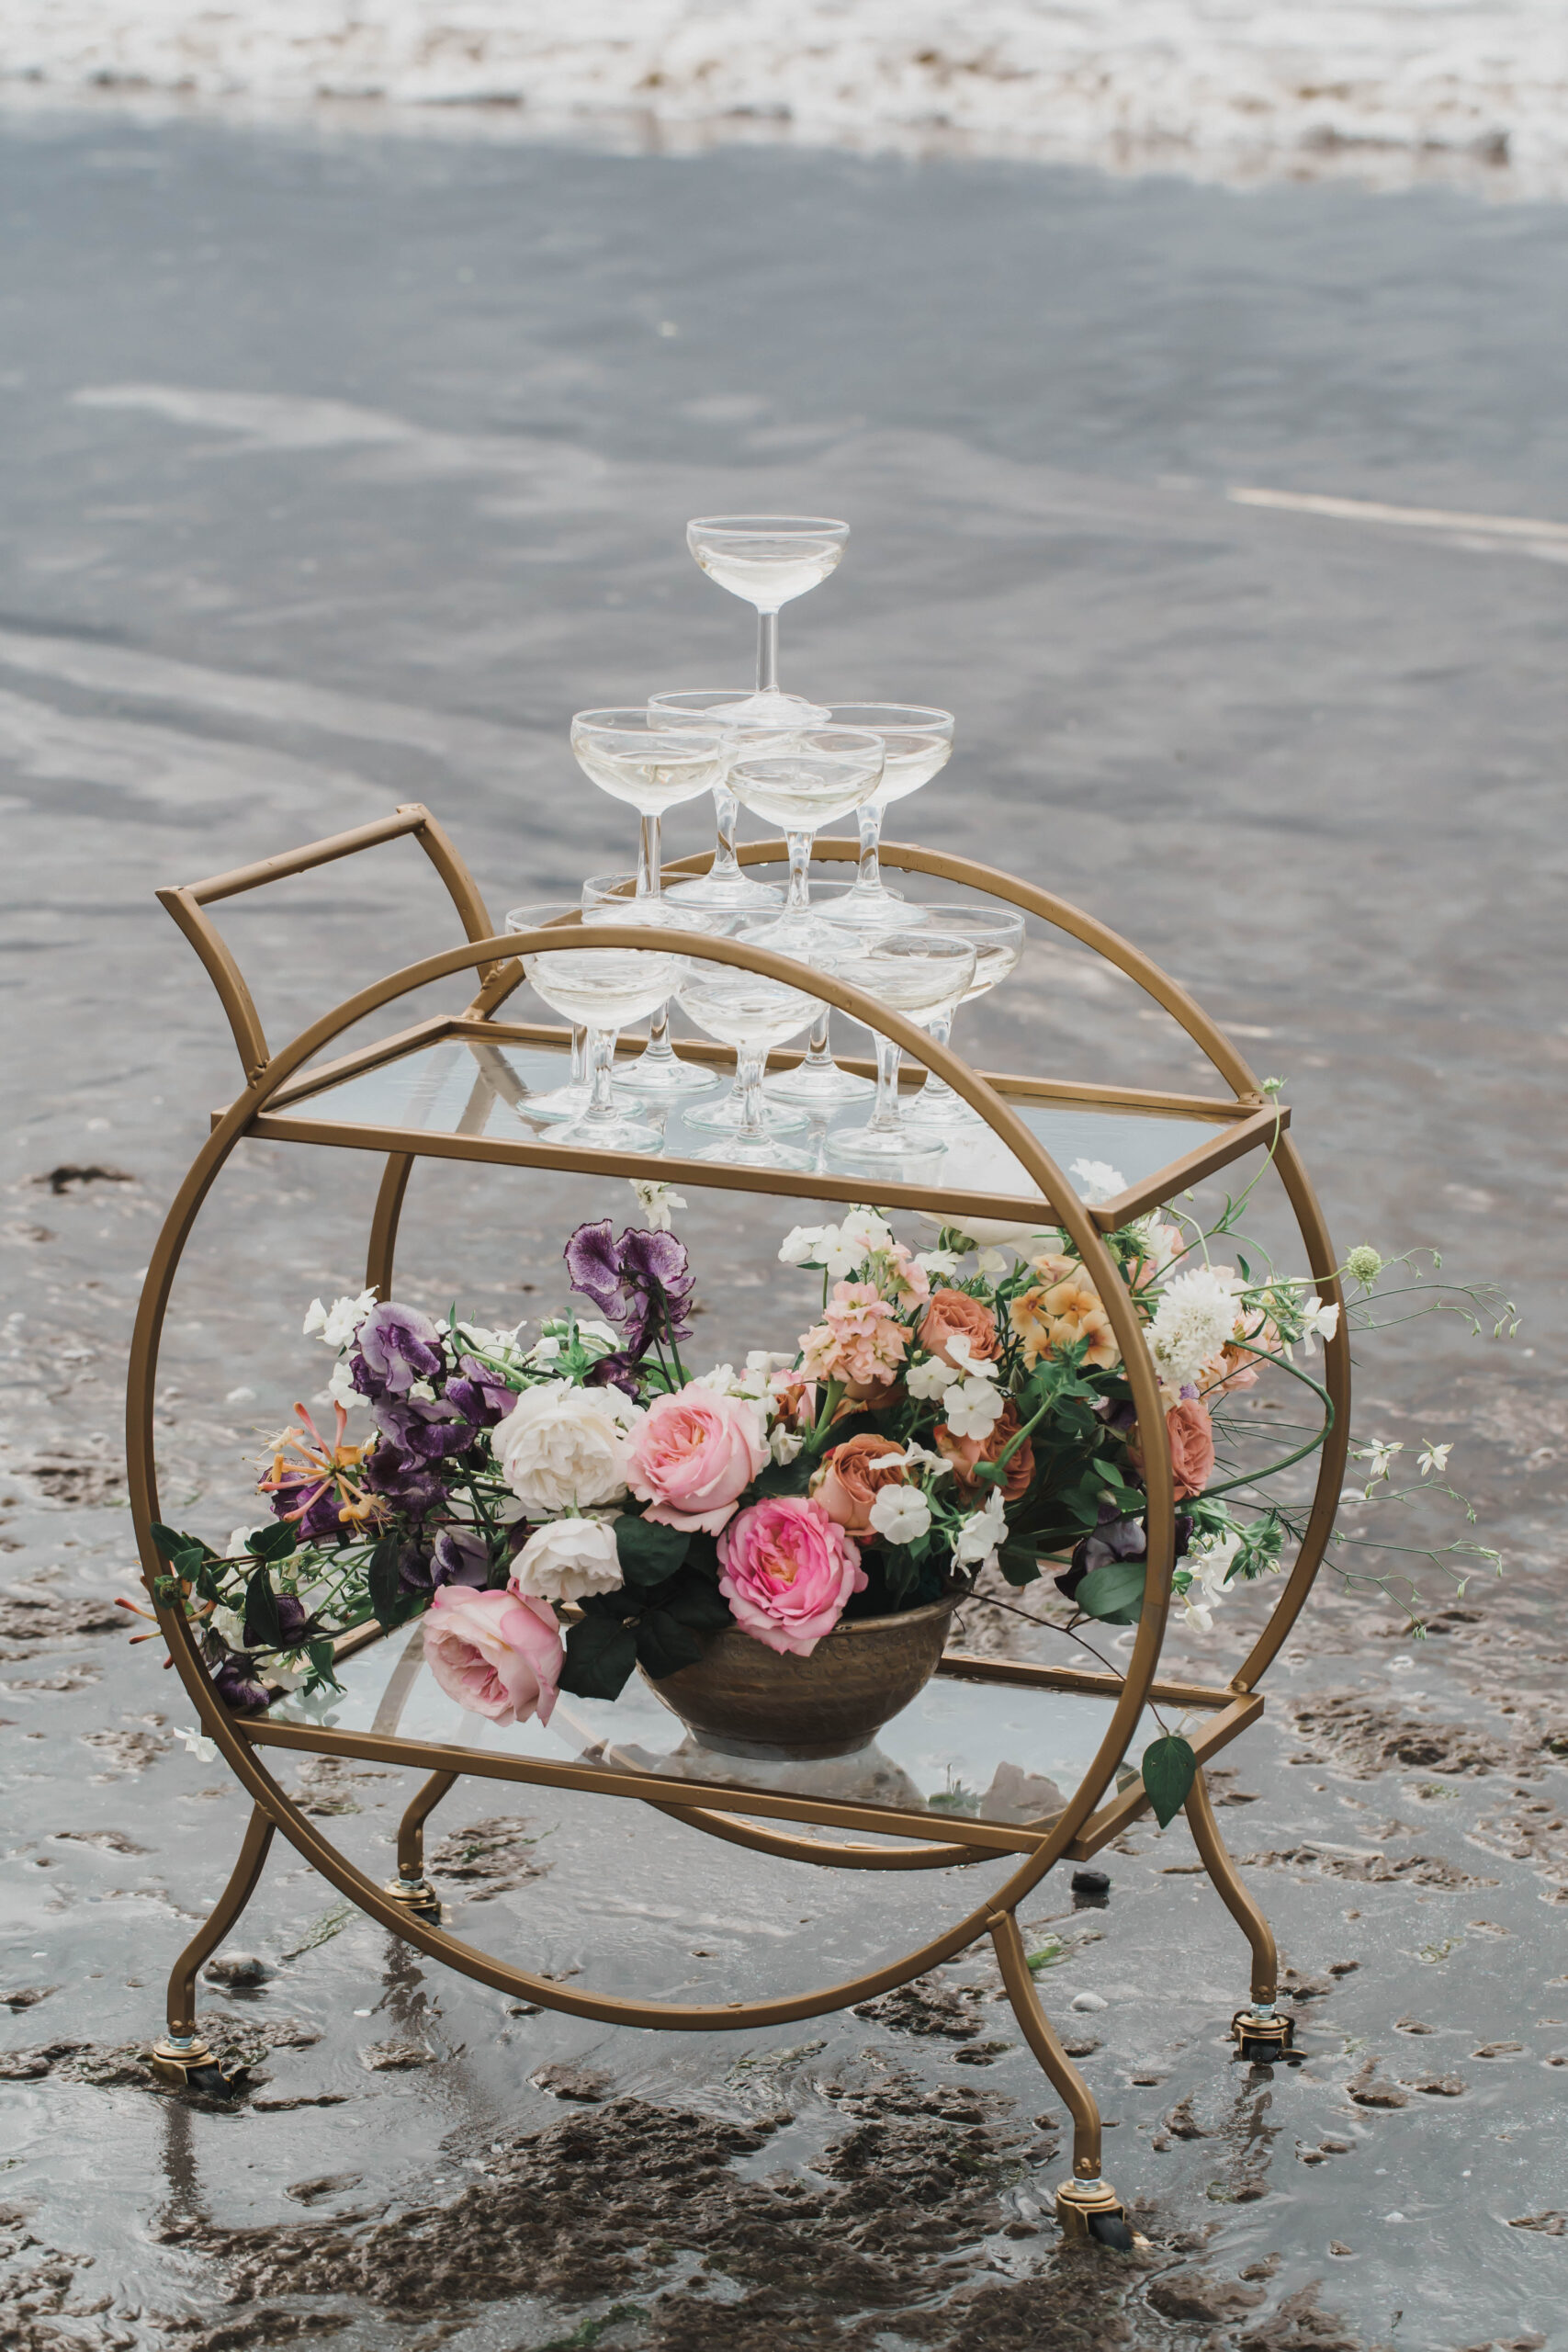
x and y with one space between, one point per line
1196 1314
900 1514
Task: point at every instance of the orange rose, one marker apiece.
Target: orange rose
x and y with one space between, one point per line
964 1452
1064 1306
1191 1437
953 1313
847 1485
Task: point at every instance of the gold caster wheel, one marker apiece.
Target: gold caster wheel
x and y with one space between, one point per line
189 2063
1262 2034
1090 2212
417 1897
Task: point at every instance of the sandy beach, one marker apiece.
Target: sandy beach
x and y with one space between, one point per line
341 470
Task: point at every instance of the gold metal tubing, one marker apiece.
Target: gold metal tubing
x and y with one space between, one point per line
833 1853
382 1251
959 1666
1041 2035
220 1919
410 1828
1217 1860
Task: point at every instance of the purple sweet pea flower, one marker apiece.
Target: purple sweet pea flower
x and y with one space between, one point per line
462 1556
398 1346
407 1484
593 1262
236 1689
1115 1538
427 1427
480 1394
292 1618
415 1565
618 1370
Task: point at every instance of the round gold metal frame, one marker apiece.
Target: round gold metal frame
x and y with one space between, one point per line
407 1907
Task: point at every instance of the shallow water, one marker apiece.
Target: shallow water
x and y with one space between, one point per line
338 473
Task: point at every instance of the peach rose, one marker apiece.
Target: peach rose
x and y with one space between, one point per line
953 1313
1062 1307
964 1452
786 1570
1191 1436
498 1654
847 1485
694 1454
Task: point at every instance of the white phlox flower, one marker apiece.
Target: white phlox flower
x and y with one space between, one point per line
197 1742
920 1457
1159 1242
338 1323
979 1537
230 1624
1435 1457
972 1367
901 1514
1098 1180
928 1379
721 1380
1208 1564
655 1201
846 1247
800 1244
972 1408
784 1443
1196 1314
937 1262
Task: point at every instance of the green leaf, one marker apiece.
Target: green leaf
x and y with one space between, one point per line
168 1540
264 1629
649 1553
1019 1564
600 1655
189 1563
1113 1593
664 1645
694 1600
1169 1769
388 1599
273 1543
784 1477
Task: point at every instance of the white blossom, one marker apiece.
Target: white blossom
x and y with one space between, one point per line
992 1262
655 1201
799 1245
341 1389
422 1390
230 1624
338 1323
564 1448
900 1513
972 1408
1379 1456
236 1550
1318 1320
928 1378
197 1742
937 1262
784 1443
568 1557
1098 1180
1435 1457
979 1536
961 1350
1208 1564
1196 1314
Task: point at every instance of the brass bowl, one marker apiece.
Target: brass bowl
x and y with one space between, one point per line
744 1699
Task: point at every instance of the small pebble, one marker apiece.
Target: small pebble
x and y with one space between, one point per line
1091 1883
1089 2001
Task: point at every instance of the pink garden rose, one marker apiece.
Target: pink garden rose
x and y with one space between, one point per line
693 1455
498 1654
786 1570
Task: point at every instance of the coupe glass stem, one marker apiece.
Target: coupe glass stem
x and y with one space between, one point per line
885 1119
579 1053
647 859
726 865
868 875
602 1065
936 1094
767 653
817 1054
799 902
748 1061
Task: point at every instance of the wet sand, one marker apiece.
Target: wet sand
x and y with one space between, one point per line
338 473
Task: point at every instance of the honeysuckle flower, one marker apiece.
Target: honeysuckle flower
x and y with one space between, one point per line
1196 1314
655 1201
1098 1180
320 1484
972 1408
1435 1457
338 1323
900 1514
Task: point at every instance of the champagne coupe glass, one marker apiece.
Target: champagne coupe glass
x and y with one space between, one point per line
917 972
917 743
816 1084
752 1013
724 884
600 988
631 755
997 934
768 560
800 786
566 1100
658 1071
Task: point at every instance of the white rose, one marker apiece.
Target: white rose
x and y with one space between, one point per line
568 1557
565 1449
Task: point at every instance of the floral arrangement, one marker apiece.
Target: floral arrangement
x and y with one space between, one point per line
564 1511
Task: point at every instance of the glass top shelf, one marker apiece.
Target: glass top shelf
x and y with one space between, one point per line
962 1751
467 1092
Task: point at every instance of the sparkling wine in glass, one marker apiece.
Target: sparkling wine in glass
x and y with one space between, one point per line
917 743
768 560
920 973
799 787
724 884
631 755
658 1073
753 1013
601 990
568 1101
997 934
816 1084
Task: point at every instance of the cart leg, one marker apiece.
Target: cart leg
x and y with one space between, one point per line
410 1886
1257 2031
1087 2206
383 1223
182 2053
